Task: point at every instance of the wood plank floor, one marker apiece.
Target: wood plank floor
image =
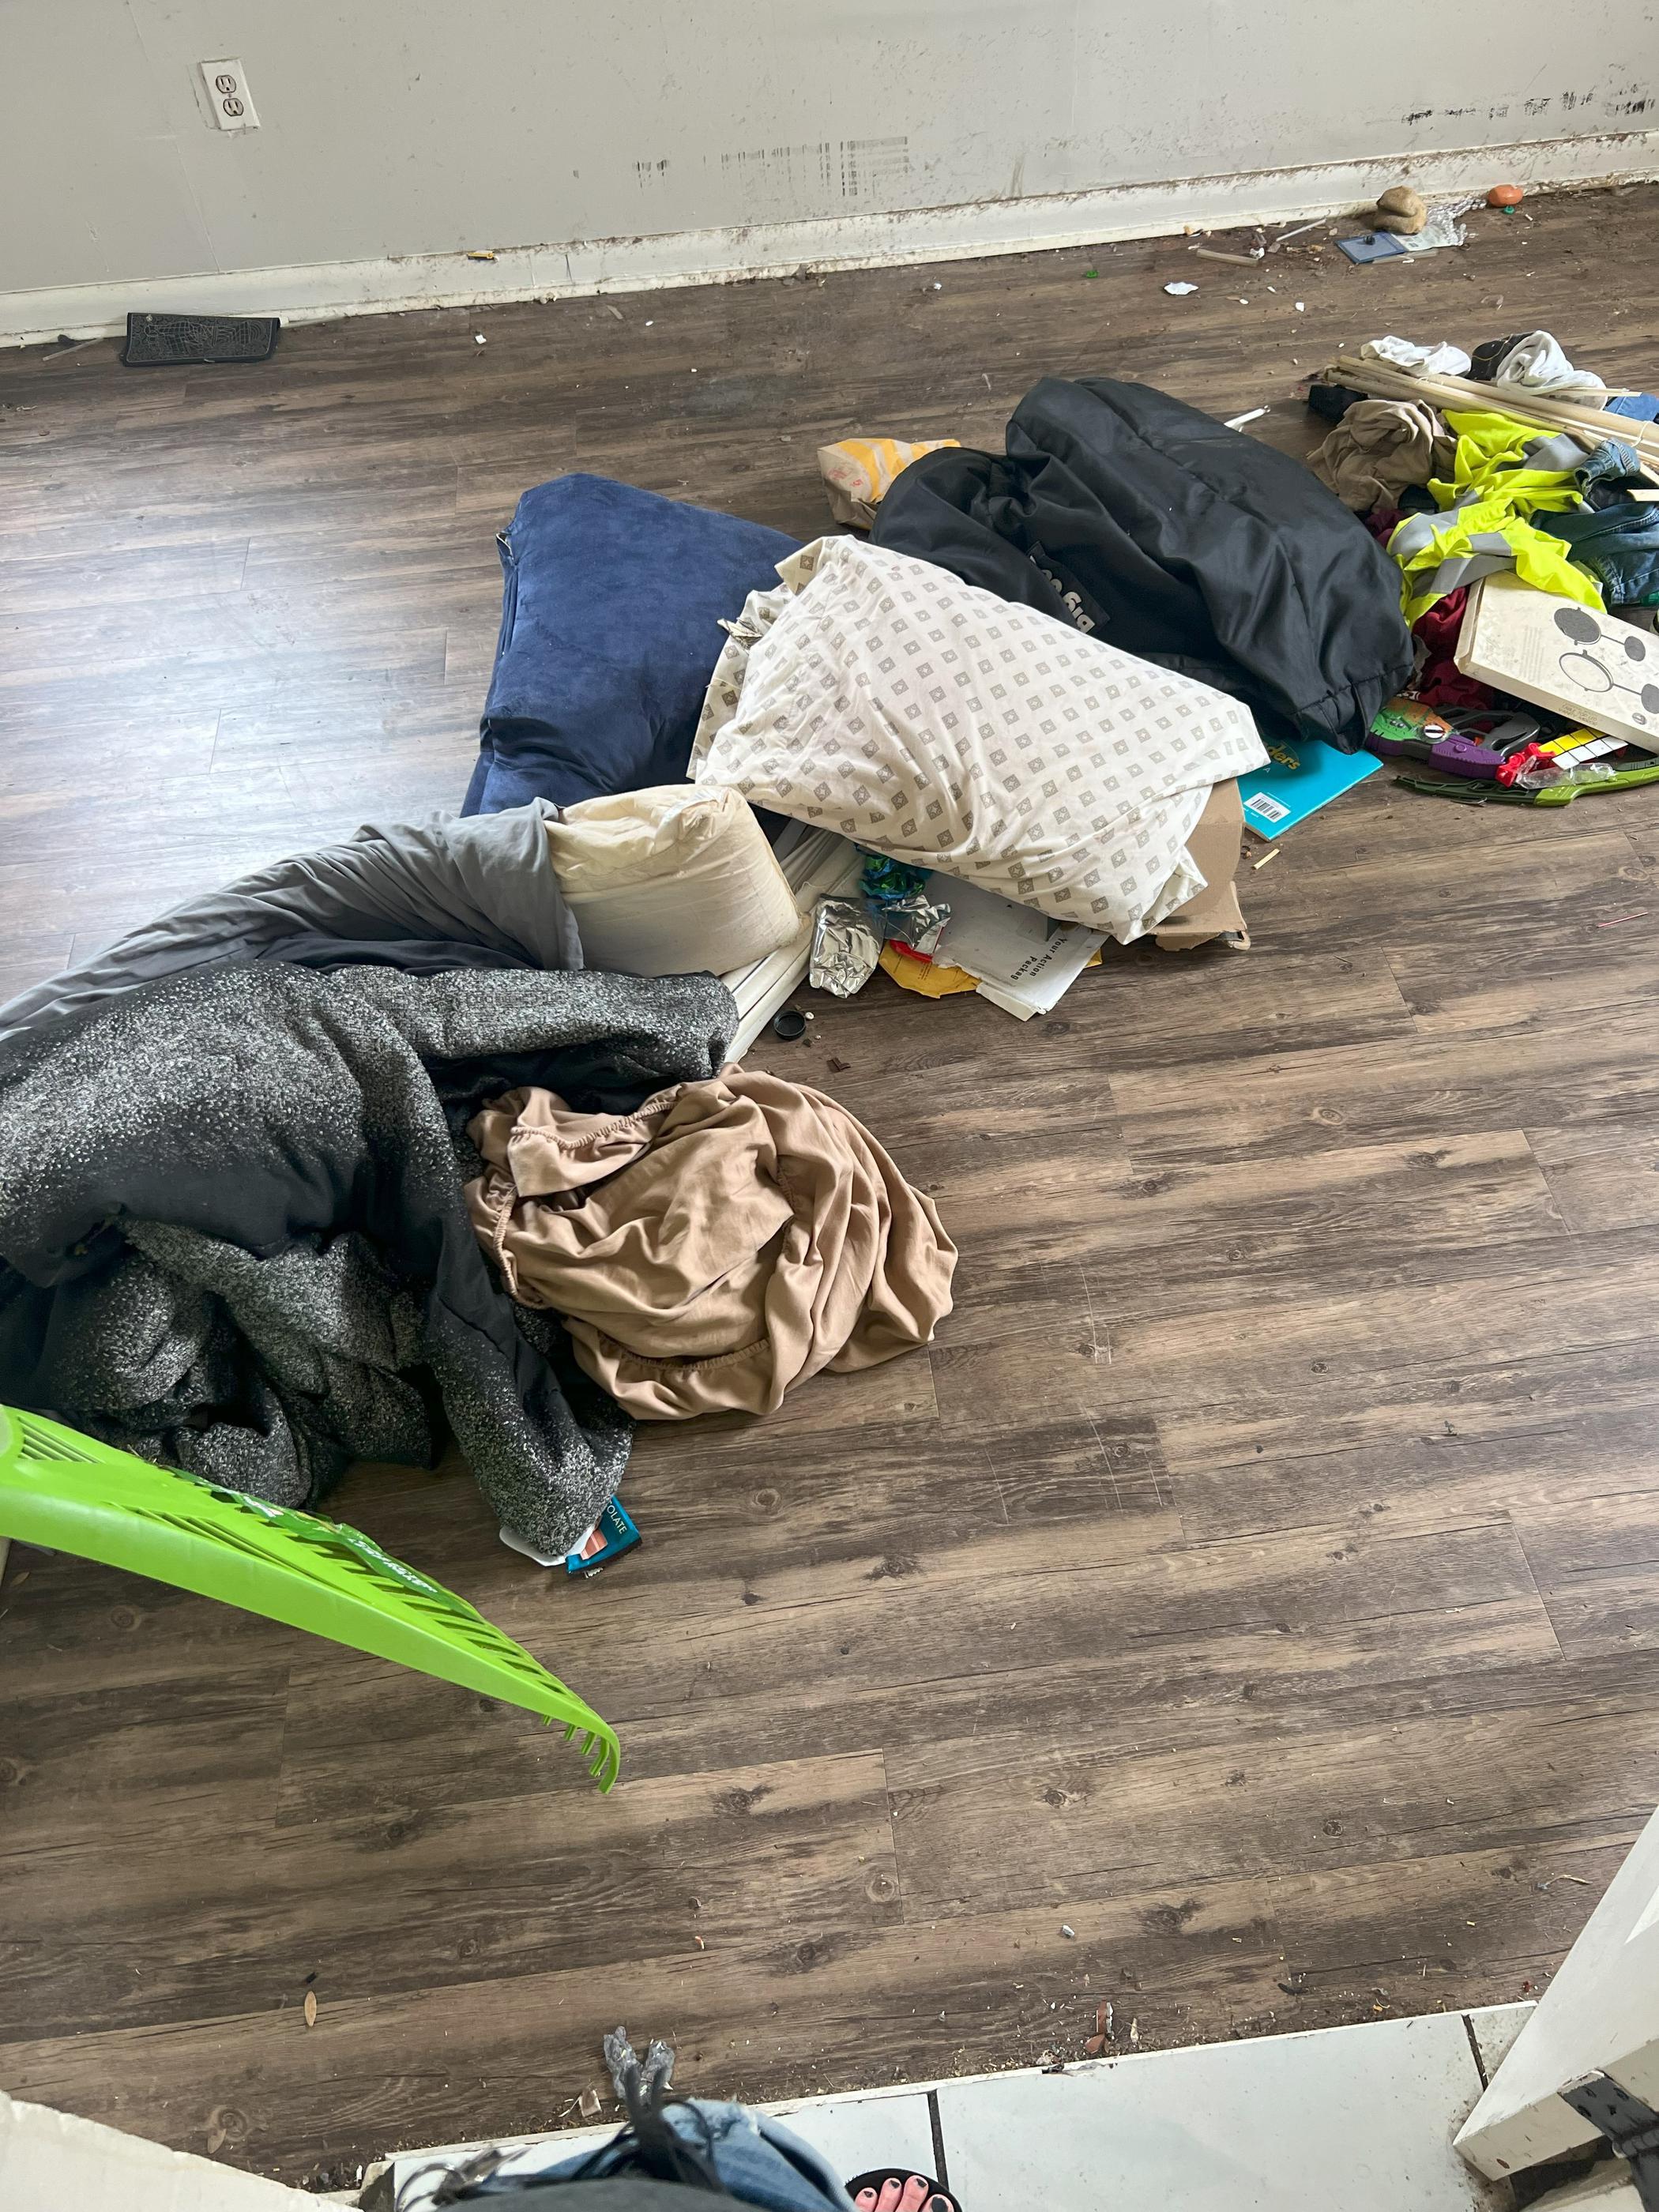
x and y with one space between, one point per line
1248 1613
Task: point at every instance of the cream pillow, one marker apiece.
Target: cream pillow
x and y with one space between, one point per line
878 695
672 881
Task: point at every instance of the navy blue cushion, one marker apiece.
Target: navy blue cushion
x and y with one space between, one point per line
610 634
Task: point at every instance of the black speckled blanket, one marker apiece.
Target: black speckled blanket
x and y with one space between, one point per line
232 1236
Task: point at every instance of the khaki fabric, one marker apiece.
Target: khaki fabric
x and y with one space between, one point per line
1213 849
1379 446
716 1248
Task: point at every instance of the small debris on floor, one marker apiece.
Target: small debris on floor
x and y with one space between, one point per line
589 2104
1069 1933
1180 290
310 2007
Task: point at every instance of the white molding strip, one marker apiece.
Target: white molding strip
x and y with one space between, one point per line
321 292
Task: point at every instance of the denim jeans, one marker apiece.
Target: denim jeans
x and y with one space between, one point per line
757 2159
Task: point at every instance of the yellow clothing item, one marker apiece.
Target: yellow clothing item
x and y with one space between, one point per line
1492 492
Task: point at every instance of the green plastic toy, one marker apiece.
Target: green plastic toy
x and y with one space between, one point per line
1473 793
69 1493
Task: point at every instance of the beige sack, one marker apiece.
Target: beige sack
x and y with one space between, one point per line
672 881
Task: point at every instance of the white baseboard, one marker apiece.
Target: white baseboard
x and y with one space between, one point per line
321 291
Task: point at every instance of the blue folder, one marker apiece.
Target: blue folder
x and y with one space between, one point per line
1302 776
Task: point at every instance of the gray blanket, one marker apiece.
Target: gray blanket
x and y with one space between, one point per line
232 1236
423 896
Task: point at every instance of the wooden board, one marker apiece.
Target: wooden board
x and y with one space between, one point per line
1382 380
1258 1579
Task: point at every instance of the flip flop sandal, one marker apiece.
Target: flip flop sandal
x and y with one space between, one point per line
879 2175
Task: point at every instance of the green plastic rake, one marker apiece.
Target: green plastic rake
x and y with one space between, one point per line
69 1493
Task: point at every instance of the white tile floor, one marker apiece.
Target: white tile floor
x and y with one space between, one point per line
857 2133
1350 2119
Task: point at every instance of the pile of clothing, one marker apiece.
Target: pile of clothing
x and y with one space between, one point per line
234 1153
907 697
714 1248
1479 495
1218 596
444 1130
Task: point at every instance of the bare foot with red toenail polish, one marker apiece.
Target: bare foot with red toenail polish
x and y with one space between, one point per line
898 2192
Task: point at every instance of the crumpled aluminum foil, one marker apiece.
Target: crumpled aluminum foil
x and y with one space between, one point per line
916 921
846 947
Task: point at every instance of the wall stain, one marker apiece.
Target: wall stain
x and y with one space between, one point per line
1633 103
852 168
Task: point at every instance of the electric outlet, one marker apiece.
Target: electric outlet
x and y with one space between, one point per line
228 101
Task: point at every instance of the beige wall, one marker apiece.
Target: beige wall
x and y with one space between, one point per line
429 127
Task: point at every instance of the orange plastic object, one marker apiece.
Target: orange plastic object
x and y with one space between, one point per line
1505 196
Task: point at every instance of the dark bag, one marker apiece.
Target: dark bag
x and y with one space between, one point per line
1137 519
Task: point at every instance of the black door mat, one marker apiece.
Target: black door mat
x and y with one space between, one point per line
170 340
